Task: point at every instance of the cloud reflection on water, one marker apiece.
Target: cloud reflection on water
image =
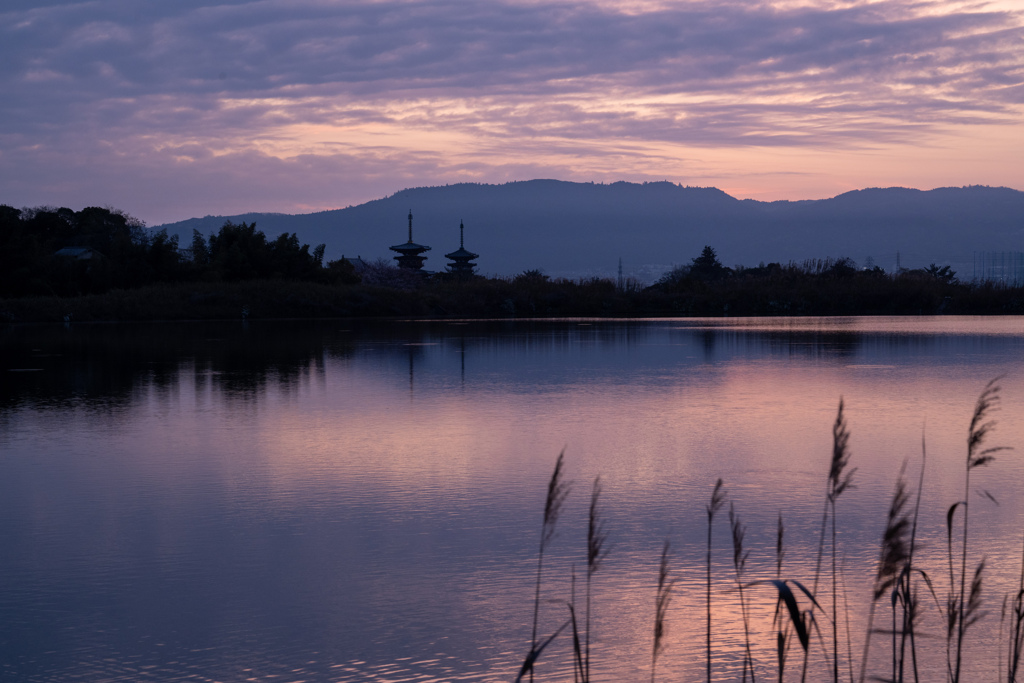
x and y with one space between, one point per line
268 496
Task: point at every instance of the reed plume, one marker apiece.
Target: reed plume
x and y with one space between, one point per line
661 602
906 588
596 551
972 613
895 549
840 478
958 619
558 490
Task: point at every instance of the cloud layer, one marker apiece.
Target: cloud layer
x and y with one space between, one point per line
191 102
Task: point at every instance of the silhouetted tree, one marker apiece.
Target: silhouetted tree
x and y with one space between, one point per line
531 277
120 251
943 274
200 252
341 272
292 261
707 266
239 252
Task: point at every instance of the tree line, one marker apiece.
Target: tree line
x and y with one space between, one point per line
831 286
47 252
57 251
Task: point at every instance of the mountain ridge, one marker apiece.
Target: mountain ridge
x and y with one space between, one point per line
579 229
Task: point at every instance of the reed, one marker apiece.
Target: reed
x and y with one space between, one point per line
1016 644
840 479
596 551
558 490
661 603
895 549
782 635
959 615
713 506
906 594
739 563
577 648
897 576
786 600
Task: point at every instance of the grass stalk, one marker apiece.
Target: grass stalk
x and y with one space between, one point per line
577 661
835 603
846 614
596 551
782 635
739 562
1002 624
713 506
905 586
840 479
1016 629
817 574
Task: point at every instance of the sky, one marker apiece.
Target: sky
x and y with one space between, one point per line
169 110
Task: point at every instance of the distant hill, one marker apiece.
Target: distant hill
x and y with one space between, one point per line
578 229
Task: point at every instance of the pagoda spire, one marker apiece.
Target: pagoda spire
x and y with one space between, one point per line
410 254
462 265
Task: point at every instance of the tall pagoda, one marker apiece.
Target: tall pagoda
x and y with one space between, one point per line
409 254
460 260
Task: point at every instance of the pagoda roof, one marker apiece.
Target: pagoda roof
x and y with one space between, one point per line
409 246
462 253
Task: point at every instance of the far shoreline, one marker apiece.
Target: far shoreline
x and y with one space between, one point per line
518 299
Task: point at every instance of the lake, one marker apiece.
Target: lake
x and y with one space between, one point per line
362 501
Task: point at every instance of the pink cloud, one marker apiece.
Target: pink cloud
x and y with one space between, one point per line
170 93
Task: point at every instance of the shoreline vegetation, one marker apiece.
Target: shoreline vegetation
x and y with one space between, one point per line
922 602
99 264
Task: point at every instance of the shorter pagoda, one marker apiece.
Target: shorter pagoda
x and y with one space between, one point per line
460 265
409 254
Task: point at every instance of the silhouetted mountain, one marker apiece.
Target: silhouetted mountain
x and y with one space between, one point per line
576 229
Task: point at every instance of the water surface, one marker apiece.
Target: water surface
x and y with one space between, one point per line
355 501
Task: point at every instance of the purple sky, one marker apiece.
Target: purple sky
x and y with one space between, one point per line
170 110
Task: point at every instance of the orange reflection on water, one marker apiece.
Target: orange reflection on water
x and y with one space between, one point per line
407 475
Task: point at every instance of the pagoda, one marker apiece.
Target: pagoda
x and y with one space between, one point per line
409 254
460 260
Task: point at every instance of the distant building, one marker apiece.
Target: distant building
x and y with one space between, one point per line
409 254
358 263
78 253
461 258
